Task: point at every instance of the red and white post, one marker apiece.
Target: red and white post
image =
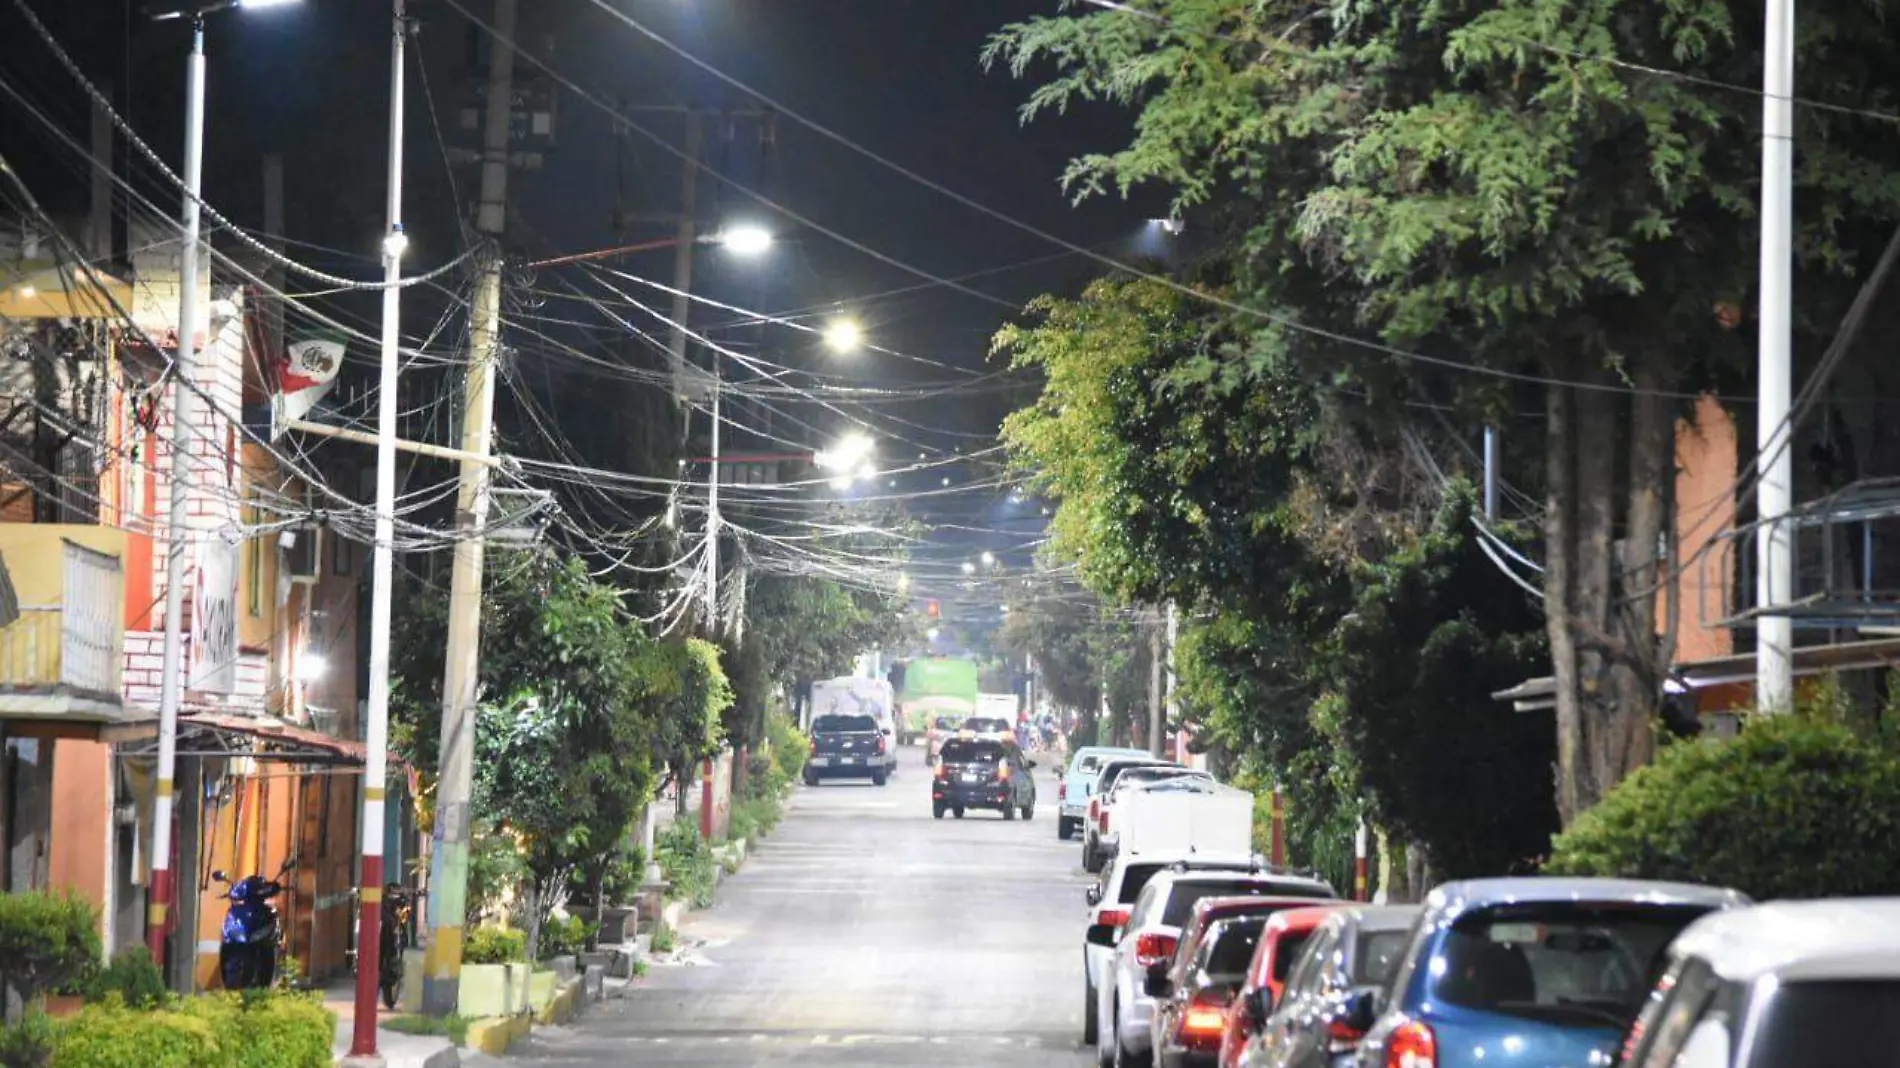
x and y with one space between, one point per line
1361 886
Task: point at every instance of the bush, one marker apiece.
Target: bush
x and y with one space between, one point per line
1790 808
258 1029
133 976
489 944
47 941
29 1043
688 862
663 938
569 937
286 1030
789 747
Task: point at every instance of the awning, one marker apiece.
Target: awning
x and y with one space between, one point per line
261 738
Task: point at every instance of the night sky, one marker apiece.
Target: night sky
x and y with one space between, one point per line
900 77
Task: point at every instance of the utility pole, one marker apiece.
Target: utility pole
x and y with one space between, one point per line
688 237
363 1052
1173 626
1491 474
448 876
1774 493
184 415
1157 743
712 511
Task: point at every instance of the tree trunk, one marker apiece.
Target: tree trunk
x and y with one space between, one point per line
534 918
1559 553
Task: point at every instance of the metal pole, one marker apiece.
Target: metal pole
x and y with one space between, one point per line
448 875
1173 629
1157 725
1360 885
184 414
1774 494
382 569
712 513
1490 473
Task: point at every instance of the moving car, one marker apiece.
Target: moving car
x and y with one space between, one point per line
850 747
1105 779
1191 991
1793 984
1332 995
1265 985
1531 971
941 730
1078 783
983 774
1153 933
988 729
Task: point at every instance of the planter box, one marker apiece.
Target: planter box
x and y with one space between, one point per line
484 990
541 989
520 976
409 994
564 967
617 924
62 1005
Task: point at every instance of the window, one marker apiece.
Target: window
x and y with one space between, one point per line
1561 962
1311 962
1668 1016
1375 959
1187 894
962 752
1136 879
1230 947
1083 765
843 724
1288 950
1144 904
1837 1023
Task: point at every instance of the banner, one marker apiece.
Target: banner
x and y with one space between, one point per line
306 375
214 638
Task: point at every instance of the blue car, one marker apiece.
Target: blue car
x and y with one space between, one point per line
1530 973
1072 802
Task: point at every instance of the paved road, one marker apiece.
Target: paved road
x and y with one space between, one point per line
864 932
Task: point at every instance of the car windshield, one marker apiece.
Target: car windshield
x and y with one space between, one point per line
842 724
1234 942
1579 964
1377 956
1137 775
985 726
946 723
962 752
1837 1023
1186 894
1178 784
1113 771
1084 764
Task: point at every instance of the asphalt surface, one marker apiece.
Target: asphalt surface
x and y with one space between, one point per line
864 932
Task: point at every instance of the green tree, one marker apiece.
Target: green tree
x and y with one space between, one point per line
1510 186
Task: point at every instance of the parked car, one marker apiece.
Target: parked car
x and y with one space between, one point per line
987 729
1171 780
1112 899
1264 987
1793 984
1153 933
1333 993
850 747
983 774
1105 778
1192 990
1531 971
941 730
1078 783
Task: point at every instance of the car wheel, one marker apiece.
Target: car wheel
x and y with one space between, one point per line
1064 829
1090 1013
936 811
959 811
1091 861
879 778
1009 811
1029 811
811 779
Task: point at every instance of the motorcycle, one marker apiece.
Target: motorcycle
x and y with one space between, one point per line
399 904
247 947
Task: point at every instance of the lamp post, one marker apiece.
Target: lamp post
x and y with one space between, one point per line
184 373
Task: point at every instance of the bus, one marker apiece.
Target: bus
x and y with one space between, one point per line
935 686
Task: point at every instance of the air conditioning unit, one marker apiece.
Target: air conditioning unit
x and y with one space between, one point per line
303 554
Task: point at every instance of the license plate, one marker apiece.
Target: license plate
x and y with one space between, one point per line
972 778
854 760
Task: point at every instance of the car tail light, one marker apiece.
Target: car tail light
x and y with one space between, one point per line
1201 1025
1112 917
1101 822
1062 791
1342 1037
1153 948
880 744
1411 1045
1095 807
814 744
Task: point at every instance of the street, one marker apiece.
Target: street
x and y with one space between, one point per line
864 932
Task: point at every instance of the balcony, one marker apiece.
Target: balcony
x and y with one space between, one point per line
62 653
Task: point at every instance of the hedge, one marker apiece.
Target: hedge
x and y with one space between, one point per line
253 1030
489 944
1790 808
48 941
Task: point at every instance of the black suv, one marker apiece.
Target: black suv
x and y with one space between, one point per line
853 747
977 773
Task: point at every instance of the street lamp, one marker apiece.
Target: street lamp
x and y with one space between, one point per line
989 558
746 240
844 335
969 568
184 423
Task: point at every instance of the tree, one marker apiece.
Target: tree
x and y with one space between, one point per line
1512 187
811 628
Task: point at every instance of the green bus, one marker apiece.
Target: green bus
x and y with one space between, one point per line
935 686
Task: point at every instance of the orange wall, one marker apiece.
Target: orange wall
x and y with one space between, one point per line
1705 506
81 837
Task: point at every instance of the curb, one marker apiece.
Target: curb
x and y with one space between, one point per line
494 1034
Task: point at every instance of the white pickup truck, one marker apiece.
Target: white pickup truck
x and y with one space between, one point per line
1185 813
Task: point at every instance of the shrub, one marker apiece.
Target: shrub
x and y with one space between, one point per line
286 1030
28 1043
561 938
489 944
663 938
133 976
1790 808
47 941
109 1035
688 862
789 747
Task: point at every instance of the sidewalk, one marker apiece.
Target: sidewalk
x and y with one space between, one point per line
398 1050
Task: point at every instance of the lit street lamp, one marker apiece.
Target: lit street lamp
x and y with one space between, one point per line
844 335
969 568
746 240
989 558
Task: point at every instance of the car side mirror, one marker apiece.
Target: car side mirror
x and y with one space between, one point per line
1101 934
1259 1004
1157 984
1093 895
1361 1010
887 732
